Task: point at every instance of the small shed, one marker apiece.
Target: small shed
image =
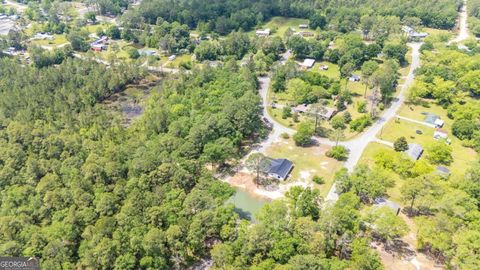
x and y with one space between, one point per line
440 134
444 172
146 52
303 26
308 63
172 57
439 123
323 67
414 151
354 78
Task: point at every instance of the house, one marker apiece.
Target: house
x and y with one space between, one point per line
354 78
147 52
323 67
303 26
172 57
325 114
263 33
308 63
440 134
97 43
9 51
43 36
414 151
382 202
438 123
305 34
444 172
98 47
412 34
278 168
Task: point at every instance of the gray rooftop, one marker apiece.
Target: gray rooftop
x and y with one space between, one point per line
280 166
414 151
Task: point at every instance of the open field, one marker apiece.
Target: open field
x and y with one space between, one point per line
280 25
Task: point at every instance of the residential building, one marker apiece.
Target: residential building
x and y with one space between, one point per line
414 151
444 172
278 168
303 26
440 134
354 78
308 63
325 114
263 33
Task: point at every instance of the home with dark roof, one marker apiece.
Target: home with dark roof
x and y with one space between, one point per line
278 168
414 151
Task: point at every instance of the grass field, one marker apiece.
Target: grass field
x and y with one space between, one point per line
462 156
178 60
58 40
280 25
308 161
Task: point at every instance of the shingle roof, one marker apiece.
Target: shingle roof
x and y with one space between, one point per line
280 166
414 151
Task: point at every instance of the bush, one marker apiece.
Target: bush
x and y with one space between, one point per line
362 107
338 152
318 180
361 123
286 112
304 135
132 53
285 136
400 144
439 153
347 117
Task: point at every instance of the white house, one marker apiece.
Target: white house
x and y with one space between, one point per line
440 134
308 63
263 33
278 168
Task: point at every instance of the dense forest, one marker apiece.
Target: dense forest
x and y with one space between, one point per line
341 15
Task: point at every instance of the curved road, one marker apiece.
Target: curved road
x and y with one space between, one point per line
357 145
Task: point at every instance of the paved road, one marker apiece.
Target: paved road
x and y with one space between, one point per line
463 25
358 145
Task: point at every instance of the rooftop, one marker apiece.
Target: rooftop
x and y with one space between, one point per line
414 151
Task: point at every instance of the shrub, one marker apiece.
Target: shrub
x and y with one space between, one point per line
347 117
286 112
400 144
362 107
463 129
338 152
304 135
132 53
361 123
285 135
318 180
439 153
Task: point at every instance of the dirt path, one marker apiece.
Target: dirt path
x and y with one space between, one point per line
462 25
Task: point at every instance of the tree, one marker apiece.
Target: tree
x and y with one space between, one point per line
90 16
303 137
464 129
386 224
219 151
300 91
133 53
257 162
439 153
400 144
368 68
113 32
418 189
286 112
396 51
363 257
366 183
338 124
78 40
467 243
345 72
316 110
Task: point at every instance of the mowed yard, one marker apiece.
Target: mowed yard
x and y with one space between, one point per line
308 162
463 157
280 25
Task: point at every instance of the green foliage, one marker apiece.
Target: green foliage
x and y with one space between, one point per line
133 53
366 183
318 180
338 152
464 129
386 224
286 112
361 123
400 144
113 32
303 137
439 153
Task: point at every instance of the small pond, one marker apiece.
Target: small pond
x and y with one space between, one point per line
246 204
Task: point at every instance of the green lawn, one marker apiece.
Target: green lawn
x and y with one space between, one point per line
58 40
333 71
308 161
178 60
462 156
279 25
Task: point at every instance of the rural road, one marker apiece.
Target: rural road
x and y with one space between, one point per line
463 26
357 145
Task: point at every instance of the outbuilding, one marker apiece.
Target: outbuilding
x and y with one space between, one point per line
440 134
308 63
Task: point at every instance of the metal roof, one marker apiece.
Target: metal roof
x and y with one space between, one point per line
414 151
